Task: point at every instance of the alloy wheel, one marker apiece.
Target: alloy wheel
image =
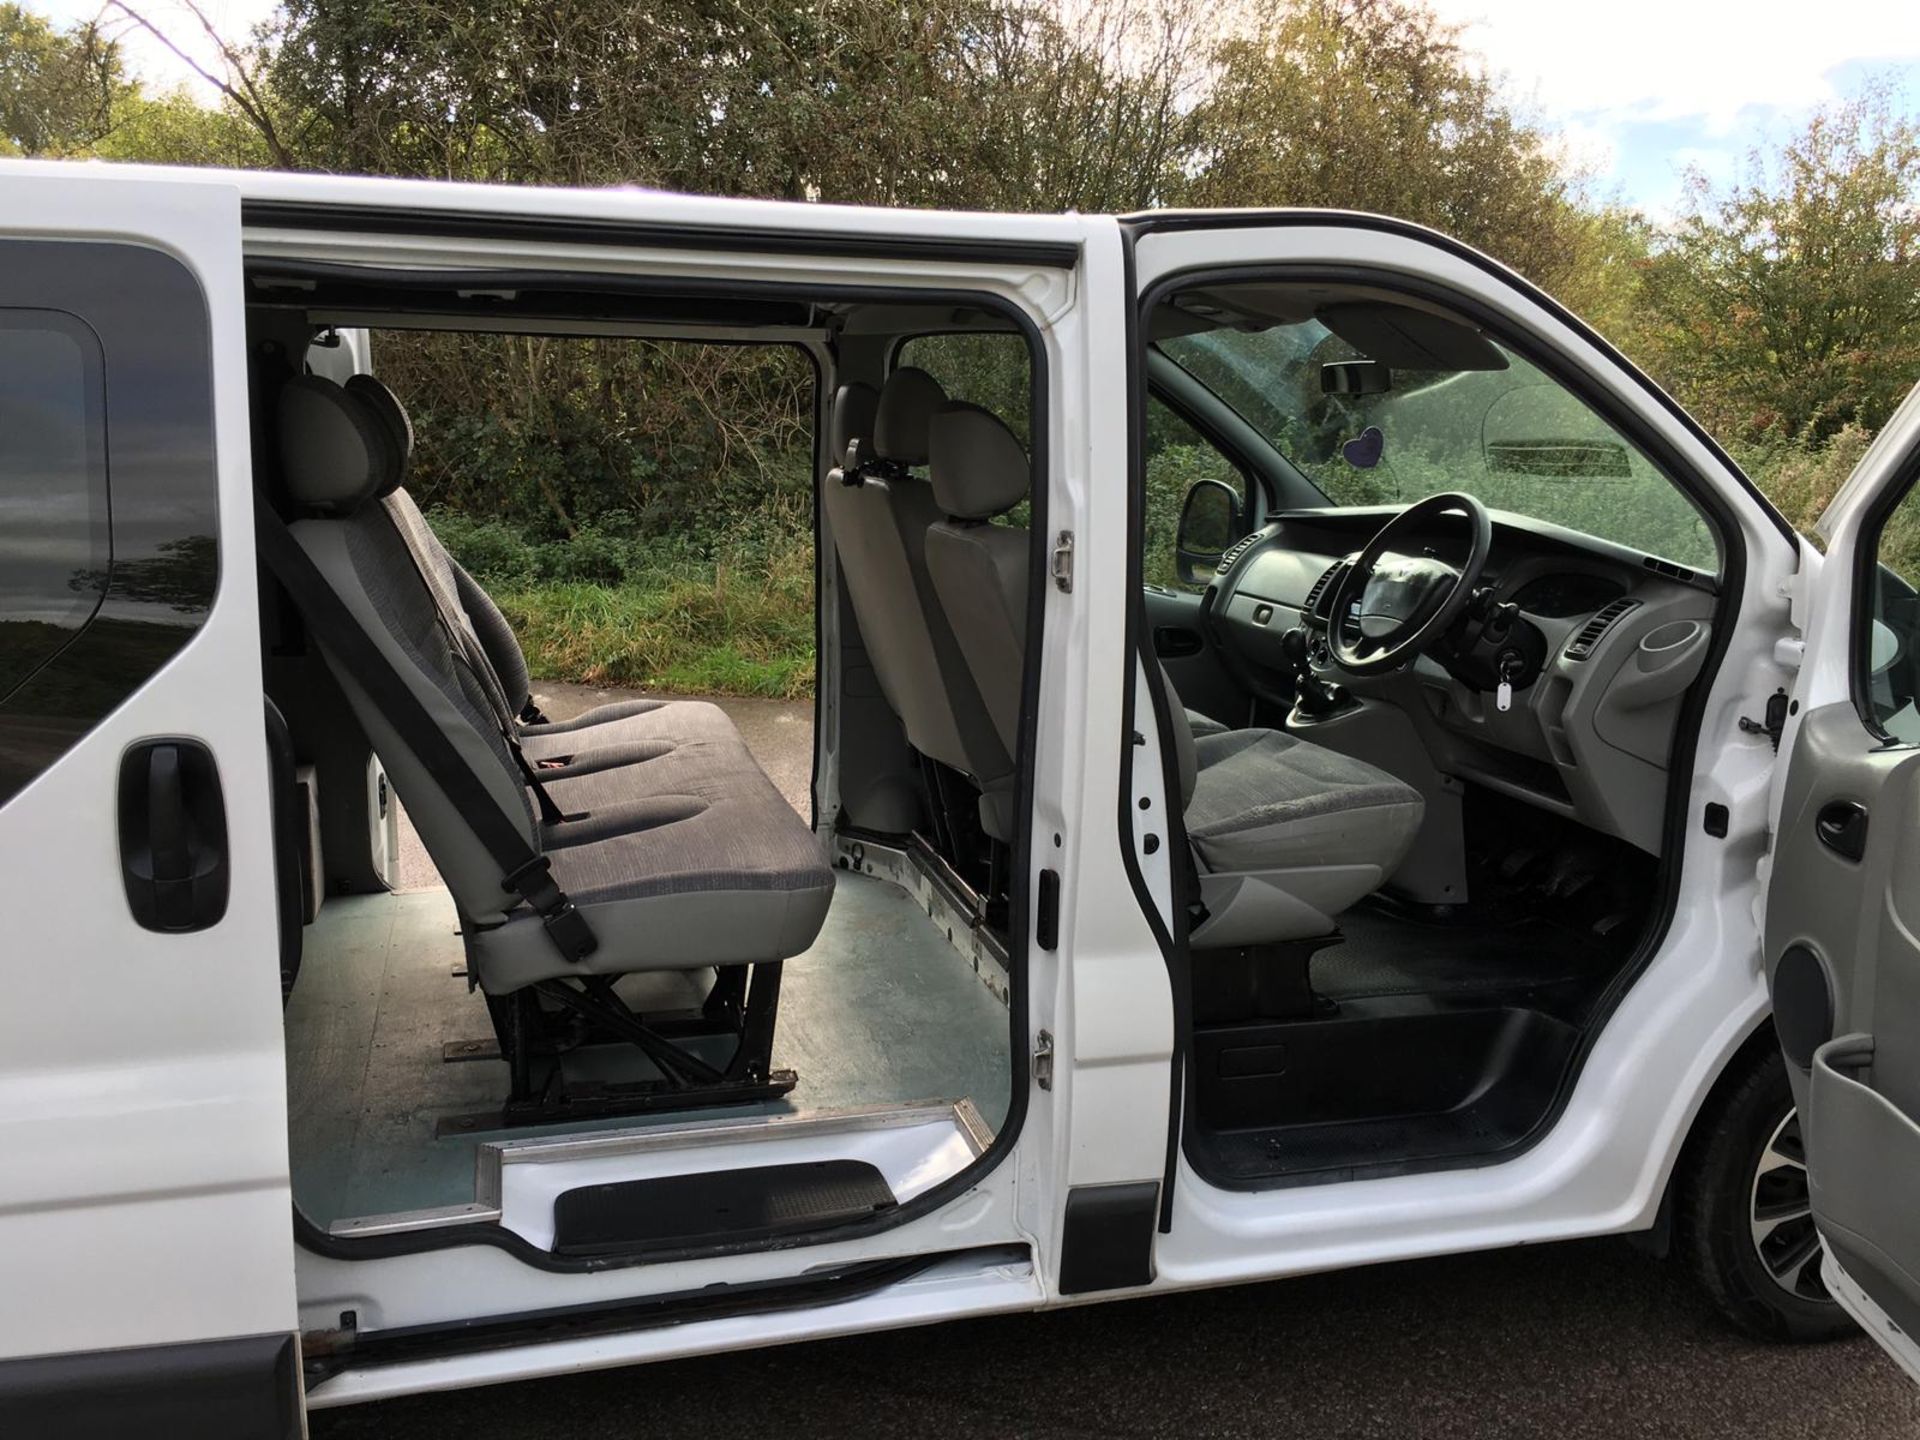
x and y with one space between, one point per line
1780 1212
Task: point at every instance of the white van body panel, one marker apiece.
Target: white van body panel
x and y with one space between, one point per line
145 1195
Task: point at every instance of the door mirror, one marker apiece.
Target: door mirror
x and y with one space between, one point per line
1209 523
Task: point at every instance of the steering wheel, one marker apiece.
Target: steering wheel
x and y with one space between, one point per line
1407 596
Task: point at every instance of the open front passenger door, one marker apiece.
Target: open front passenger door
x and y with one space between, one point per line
1842 924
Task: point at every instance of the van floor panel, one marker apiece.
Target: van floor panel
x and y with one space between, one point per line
881 1009
1381 954
1327 1154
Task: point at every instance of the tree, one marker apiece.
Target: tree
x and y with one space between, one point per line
1788 304
58 88
1374 105
951 103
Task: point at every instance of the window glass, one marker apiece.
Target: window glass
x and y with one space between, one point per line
53 511
1891 652
1492 425
1177 456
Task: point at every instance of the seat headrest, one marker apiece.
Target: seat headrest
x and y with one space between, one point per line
338 448
854 408
977 467
392 414
908 402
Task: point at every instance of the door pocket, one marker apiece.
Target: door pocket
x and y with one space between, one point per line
1863 1154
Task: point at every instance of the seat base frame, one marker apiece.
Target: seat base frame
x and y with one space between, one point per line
538 1026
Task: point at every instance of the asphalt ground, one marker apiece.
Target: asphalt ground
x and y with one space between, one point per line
1594 1339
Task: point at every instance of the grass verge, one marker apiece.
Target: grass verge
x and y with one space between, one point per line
725 634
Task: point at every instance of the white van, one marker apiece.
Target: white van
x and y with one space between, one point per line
1391 856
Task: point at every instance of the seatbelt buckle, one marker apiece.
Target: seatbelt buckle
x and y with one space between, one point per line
566 926
570 931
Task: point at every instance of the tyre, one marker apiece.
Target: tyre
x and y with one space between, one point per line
1742 1220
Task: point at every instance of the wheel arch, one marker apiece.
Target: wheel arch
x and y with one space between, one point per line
1757 1041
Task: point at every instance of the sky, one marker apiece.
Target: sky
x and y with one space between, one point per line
1637 91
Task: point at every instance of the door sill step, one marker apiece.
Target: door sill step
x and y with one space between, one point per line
716 1206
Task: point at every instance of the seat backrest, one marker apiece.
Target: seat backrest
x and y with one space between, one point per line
468 602
979 569
880 514
341 462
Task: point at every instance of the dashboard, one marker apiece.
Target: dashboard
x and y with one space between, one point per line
1613 639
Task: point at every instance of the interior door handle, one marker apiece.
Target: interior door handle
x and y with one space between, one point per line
1842 828
1175 641
173 835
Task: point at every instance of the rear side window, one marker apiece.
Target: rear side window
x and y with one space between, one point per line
109 498
54 549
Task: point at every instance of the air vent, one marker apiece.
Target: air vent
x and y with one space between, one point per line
1320 597
1672 571
1604 619
1236 550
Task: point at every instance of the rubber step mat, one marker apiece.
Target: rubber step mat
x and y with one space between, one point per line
675 1211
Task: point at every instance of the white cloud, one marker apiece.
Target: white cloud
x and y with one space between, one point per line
1587 149
1682 59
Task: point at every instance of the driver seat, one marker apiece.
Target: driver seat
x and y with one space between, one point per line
1285 833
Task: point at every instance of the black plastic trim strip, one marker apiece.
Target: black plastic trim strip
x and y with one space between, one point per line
374 1247
1106 1240
1174 221
247 1388
333 217
1173 951
334 1353
1866 565
1687 724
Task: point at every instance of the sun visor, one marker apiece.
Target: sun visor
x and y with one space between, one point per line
1402 338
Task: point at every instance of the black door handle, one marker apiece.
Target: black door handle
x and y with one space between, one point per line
173 835
1842 828
1176 641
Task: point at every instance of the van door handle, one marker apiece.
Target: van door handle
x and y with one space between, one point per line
1174 642
173 835
1842 828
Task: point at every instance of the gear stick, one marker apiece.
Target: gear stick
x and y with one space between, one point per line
1314 698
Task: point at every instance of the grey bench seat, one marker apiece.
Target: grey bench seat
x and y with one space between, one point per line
671 841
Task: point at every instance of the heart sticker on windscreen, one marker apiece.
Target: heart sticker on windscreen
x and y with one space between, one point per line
1363 452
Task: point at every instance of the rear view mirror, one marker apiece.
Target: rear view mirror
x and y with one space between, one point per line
1355 377
1209 523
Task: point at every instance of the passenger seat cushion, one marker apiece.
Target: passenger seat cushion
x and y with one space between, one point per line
689 809
1267 800
627 722
689 858
1204 724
